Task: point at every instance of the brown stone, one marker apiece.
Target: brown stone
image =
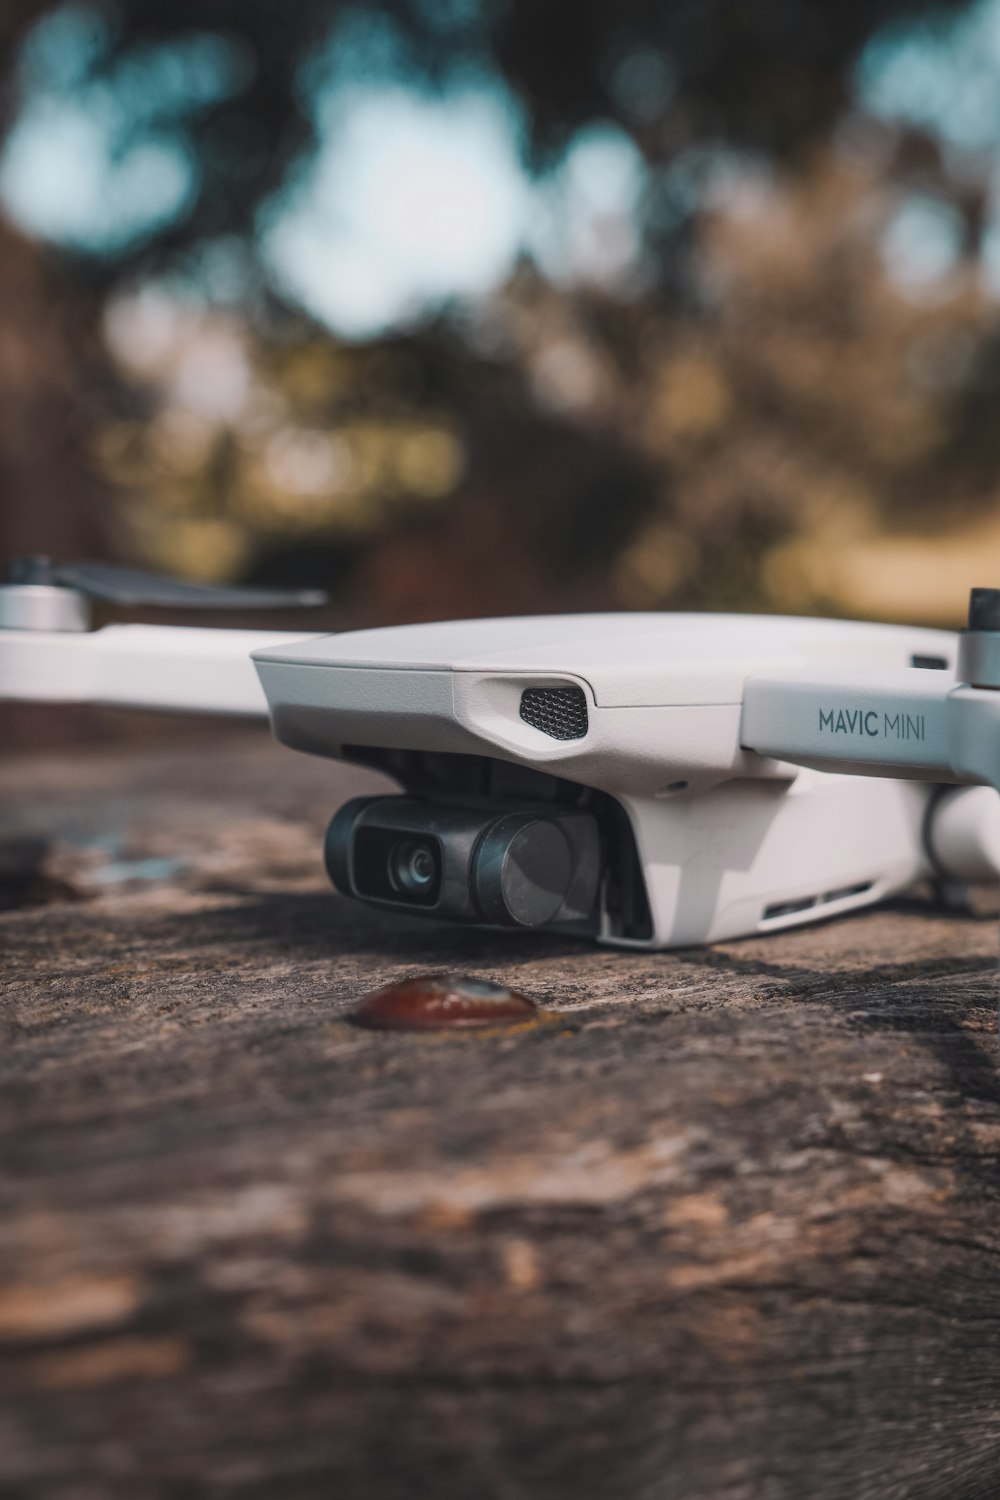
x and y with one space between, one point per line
441 1002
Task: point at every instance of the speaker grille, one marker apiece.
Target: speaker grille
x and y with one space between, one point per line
561 713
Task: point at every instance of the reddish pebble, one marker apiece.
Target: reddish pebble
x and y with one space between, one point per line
441 1002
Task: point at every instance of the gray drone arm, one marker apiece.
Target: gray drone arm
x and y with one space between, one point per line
900 724
910 723
884 725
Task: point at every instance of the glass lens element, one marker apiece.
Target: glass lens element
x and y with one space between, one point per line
412 867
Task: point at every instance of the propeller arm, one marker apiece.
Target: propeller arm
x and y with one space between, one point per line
910 723
865 724
164 668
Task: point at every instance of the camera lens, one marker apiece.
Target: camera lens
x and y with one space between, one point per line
412 868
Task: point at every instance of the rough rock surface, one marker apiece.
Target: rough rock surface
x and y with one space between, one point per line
722 1225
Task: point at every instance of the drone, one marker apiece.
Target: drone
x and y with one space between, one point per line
643 780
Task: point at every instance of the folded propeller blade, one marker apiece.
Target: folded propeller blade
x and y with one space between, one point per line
132 588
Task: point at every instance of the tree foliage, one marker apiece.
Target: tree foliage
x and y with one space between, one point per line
735 430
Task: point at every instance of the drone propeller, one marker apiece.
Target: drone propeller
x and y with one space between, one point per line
133 588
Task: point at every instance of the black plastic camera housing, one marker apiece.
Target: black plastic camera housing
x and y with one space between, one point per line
515 865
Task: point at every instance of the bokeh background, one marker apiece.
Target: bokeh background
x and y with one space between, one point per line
461 307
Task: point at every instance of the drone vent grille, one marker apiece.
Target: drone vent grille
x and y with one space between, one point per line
561 713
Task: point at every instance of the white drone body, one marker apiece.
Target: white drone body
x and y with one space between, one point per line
652 780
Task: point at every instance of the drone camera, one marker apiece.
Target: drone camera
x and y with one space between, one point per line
508 866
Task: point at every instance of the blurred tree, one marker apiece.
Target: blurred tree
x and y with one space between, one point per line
44 350
772 77
701 439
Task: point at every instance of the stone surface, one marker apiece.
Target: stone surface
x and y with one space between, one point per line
727 1230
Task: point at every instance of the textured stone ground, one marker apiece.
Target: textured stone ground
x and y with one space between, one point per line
722 1226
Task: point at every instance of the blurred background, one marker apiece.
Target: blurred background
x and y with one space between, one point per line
460 307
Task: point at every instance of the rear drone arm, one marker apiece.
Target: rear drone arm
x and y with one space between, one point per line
169 668
49 655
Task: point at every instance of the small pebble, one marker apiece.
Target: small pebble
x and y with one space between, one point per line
441 1002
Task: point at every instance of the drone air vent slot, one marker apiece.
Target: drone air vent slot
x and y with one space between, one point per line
849 890
807 903
788 908
561 713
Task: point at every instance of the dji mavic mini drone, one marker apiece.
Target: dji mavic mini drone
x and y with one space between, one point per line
650 780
